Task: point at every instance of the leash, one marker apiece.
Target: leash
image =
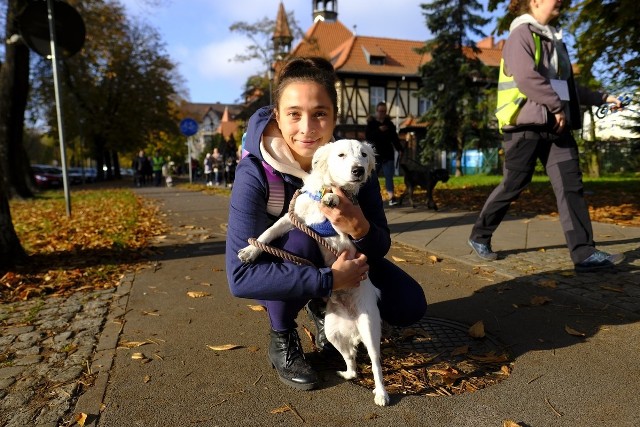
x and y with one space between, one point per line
281 253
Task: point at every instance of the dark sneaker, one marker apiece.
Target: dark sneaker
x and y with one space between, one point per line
483 251
286 355
598 261
393 202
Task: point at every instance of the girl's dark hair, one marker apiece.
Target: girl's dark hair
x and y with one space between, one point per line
312 69
519 7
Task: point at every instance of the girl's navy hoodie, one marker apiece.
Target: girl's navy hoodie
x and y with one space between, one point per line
269 278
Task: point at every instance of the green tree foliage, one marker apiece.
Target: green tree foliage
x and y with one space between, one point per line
119 91
454 80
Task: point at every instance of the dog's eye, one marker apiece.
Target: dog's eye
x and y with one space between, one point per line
364 154
342 155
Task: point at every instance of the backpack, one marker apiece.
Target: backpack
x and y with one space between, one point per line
276 192
510 99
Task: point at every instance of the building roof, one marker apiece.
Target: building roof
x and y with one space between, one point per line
350 53
322 38
400 56
282 30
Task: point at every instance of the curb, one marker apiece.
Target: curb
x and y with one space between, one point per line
91 402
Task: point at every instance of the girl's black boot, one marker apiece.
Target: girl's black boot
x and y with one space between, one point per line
287 357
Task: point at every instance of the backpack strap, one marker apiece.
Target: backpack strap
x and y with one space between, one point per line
276 192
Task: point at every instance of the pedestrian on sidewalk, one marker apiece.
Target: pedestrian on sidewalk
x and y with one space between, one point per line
382 134
281 140
540 128
157 162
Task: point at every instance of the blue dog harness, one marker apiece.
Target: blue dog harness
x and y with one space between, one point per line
325 228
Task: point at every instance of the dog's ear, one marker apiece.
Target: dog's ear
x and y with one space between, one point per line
371 156
320 159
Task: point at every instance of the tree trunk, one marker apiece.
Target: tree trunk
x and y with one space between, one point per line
15 75
591 149
11 251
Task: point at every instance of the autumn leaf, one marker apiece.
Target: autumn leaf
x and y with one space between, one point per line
477 330
81 418
224 347
490 357
460 350
398 259
197 294
280 410
619 289
548 283
137 356
539 300
132 344
575 333
257 307
434 259
510 423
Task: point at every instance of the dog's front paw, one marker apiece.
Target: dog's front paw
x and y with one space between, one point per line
381 397
331 200
348 374
249 254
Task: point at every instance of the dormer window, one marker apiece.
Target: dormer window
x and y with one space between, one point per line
374 55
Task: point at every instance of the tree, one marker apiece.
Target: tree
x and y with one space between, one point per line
119 91
13 96
453 79
257 87
14 89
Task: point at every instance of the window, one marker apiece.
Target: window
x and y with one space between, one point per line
423 105
376 95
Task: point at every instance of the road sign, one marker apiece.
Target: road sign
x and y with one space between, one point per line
69 28
188 127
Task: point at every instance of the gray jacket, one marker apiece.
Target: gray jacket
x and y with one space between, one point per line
542 101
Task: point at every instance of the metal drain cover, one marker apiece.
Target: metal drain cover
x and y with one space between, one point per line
441 337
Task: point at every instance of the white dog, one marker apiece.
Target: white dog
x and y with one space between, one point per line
352 315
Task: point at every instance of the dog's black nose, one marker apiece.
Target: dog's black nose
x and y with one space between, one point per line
357 171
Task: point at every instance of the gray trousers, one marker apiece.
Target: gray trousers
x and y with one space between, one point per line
559 155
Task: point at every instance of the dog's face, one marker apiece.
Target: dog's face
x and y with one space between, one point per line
345 163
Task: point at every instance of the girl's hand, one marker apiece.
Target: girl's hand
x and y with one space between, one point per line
346 217
348 273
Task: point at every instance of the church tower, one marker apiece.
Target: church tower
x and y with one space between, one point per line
325 10
282 37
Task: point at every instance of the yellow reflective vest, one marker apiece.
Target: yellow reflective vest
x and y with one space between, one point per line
510 99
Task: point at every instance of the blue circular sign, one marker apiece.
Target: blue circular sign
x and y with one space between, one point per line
188 127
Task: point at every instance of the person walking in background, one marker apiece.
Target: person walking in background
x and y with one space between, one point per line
537 59
230 158
217 165
157 161
140 166
381 133
208 170
281 141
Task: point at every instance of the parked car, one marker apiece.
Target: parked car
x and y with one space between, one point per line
47 176
81 175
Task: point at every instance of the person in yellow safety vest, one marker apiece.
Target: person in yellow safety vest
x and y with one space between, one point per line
546 109
157 161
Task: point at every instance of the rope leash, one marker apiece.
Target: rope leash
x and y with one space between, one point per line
301 226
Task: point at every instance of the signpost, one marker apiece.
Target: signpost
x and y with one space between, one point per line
34 22
189 127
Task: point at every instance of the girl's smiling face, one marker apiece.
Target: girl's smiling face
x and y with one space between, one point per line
306 118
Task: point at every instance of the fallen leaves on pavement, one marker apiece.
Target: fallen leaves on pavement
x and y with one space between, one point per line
107 235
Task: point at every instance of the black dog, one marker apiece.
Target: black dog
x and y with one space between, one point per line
416 175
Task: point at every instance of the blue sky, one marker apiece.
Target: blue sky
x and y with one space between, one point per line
197 37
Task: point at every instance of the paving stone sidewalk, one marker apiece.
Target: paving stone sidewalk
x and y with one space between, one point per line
45 346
